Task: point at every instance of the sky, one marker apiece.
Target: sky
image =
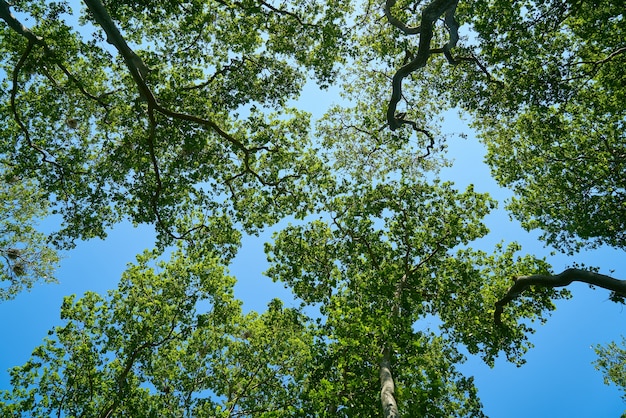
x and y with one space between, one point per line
557 381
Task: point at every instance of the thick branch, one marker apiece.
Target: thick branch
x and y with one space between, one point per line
137 68
138 71
558 280
16 25
430 14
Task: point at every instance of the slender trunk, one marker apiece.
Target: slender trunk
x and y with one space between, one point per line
387 387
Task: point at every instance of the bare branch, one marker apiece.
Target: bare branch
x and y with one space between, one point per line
270 7
607 58
558 280
284 13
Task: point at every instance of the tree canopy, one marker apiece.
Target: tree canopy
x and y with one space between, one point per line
183 115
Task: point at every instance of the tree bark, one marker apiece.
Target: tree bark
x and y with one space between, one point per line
558 280
387 391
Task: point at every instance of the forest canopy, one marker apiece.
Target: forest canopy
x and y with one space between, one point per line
183 115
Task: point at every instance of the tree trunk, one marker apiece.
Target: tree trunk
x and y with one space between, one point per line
387 391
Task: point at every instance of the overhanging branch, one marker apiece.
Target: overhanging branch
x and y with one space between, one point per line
16 25
558 280
430 14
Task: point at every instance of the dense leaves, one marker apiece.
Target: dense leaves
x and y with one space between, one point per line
554 120
195 131
384 263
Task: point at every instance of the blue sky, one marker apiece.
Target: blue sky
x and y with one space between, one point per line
557 381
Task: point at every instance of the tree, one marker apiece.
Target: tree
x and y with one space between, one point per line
133 138
178 115
384 262
24 256
169 341
544 83
612 362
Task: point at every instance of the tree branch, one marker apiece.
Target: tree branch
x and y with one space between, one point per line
430 14
137 68
408 30
558 280
122 381
138 71
16 25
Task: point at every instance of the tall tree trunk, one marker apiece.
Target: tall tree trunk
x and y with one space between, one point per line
387 387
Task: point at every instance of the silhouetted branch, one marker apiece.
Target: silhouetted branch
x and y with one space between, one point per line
430 14
558 280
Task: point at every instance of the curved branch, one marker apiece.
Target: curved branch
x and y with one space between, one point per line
17 26
558 280
139 70
408 30
430 14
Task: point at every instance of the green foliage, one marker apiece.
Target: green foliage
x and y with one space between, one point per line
103 153
612 363
385 261
25 257
171 339
553 119
477 281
